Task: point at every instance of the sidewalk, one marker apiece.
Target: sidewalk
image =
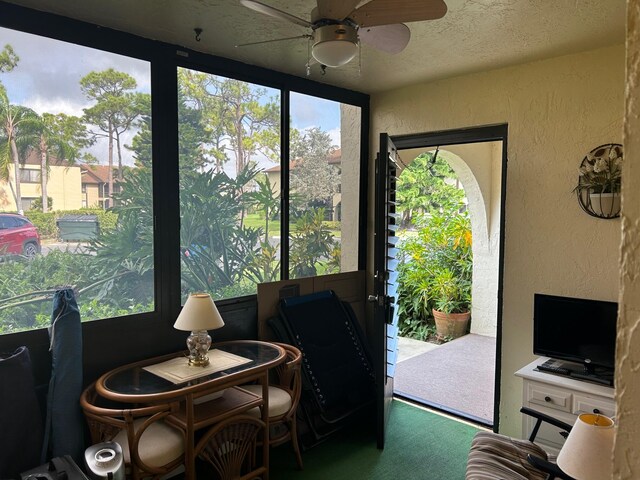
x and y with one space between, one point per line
408 348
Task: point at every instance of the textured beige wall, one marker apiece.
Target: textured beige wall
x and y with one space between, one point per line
350 192
627 446
557 110
65 188
93 196
479 165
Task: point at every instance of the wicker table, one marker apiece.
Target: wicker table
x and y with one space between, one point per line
191 408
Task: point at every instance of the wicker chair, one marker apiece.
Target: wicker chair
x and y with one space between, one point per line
230 448
151 447
498 457
284 396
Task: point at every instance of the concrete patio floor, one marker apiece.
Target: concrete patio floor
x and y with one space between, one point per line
408 348
457 377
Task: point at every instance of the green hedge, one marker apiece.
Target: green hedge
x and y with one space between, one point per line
46 222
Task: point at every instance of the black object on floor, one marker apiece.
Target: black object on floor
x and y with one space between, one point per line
58 468
20 420
338 376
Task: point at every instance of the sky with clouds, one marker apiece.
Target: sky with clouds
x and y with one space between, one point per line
48 74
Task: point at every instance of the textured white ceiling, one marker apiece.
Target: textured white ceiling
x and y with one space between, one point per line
474 35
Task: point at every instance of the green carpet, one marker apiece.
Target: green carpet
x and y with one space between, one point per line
420 445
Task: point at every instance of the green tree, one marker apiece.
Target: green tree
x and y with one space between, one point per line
238 121
267 199
192 136
124 254
140 104
313 179
62 136
427 186
18 125
311 243
115 109
217 249
8 59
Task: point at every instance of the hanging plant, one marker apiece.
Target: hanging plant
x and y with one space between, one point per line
599 181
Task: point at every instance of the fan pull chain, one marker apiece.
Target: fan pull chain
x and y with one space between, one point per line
308 56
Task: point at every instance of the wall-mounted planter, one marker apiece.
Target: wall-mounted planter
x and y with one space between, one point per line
605 205
598 188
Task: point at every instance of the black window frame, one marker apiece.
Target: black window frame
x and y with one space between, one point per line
164 60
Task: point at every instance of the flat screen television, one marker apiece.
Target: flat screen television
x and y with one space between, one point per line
575 329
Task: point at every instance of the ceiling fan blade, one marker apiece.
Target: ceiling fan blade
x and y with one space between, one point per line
336 9
387 38
385 12
272 41
274 12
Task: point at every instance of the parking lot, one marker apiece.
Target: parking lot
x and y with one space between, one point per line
72 247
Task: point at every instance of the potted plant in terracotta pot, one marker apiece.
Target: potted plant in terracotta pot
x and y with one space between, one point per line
452 300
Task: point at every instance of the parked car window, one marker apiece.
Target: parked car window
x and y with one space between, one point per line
9 222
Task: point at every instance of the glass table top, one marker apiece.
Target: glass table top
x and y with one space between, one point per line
135 380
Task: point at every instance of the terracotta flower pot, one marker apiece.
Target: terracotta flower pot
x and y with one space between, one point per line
452 325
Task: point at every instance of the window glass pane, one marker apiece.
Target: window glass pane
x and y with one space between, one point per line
229 134
81 120
29 175
324 179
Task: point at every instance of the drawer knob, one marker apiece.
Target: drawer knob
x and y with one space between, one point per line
596 411
547 398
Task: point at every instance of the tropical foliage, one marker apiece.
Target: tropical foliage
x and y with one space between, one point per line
427 185
224 124
435 252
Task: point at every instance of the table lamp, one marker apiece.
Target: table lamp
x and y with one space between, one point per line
198 315
586 454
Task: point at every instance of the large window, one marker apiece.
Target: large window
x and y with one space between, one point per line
68 109
135 229
229 135
324 194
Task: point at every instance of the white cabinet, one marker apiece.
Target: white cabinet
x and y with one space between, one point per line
560 397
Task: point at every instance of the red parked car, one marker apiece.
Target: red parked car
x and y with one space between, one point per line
18 236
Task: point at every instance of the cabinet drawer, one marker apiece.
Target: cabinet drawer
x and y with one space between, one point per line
550 397
585 404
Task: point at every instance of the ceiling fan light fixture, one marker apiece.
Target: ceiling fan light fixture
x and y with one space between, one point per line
334 45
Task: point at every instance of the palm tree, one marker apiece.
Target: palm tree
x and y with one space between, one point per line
266 198
62 136
17 126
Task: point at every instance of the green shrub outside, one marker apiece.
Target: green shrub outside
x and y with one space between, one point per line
46 222
441 249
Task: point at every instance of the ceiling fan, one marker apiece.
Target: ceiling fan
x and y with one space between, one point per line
338 26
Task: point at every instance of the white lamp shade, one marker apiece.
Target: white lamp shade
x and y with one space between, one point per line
199 313
334 45
586 455
334 53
